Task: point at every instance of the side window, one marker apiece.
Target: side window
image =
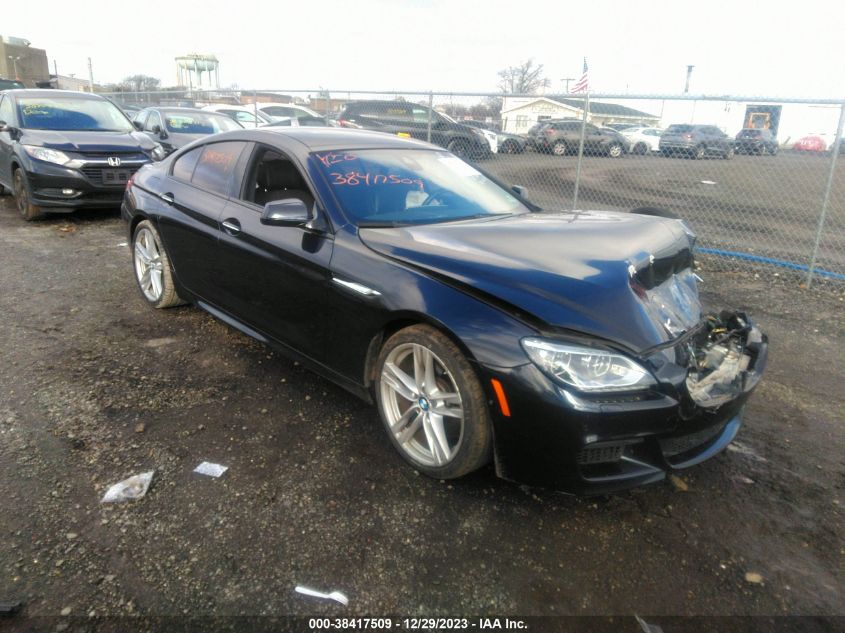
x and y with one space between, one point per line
140 118
7 113
271 176
183 168
420 115
397 112
153 120
215 166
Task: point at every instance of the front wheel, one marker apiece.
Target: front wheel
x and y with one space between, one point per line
699 152
28 211
152 267
729 153
560 149
432 404
459 148
640 149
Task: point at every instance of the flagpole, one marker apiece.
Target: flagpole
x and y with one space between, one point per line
581 150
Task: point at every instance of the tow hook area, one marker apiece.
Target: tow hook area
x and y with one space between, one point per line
722 359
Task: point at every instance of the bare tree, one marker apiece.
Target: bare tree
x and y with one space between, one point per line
523 79
140 83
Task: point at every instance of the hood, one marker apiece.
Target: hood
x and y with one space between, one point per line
70 141
593 272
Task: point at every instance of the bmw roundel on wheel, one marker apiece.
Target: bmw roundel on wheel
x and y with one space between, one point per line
570 349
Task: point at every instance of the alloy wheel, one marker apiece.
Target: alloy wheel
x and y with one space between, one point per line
148 265
422 405
615 151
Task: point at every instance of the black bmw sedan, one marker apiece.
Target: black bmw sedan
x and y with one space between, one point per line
569 348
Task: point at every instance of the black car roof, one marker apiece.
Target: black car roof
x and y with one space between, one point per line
46 92
310 139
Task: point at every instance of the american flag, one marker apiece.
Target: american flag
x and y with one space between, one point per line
583 84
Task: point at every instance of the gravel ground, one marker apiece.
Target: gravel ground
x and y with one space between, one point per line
95 386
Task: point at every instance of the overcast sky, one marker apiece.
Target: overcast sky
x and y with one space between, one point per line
774 48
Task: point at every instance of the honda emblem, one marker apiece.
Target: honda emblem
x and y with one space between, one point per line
113 161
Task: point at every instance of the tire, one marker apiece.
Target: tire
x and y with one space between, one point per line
615 150
699 152
459 147
440 446
666 153
560 148
729 153
657 212
640 149
151 264
510 147
28 211
773 150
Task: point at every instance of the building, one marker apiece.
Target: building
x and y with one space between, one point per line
19 60
520 113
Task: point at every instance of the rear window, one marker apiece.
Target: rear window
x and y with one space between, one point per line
679 129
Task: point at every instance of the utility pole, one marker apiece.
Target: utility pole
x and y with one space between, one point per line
90 76
689 74
567 80
15 59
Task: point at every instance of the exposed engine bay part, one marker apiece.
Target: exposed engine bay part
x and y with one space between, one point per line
720 357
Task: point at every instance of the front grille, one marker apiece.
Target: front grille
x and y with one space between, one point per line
681 444
600 454
109 176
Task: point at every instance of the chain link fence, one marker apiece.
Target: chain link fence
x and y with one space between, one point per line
759 179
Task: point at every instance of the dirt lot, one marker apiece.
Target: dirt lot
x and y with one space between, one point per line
95 387
762 205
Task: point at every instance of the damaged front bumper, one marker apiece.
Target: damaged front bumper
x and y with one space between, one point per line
594 444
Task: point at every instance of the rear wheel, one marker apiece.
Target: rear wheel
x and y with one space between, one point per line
432 404
27 210
640 148
729 153
560 148
510 147
152 267
699 152
614 150
773 150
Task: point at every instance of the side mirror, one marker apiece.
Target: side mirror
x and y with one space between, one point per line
518 190
289 212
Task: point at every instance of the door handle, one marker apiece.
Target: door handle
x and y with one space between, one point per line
231 226
167 197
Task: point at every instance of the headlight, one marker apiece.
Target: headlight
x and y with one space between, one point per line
158 152
585 368
47 155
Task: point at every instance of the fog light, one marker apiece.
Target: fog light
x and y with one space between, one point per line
68 192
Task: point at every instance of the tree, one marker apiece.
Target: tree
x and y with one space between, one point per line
522 79
140 83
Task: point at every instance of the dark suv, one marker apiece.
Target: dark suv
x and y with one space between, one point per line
410 120
60 150
697 141
563 137
755 141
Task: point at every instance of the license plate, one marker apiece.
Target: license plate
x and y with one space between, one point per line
115 176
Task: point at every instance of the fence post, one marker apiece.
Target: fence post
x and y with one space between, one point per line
328 107
834 154
430 107
255 106
580 152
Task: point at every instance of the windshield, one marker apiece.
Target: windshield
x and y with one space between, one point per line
389 187
70 114
198 123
